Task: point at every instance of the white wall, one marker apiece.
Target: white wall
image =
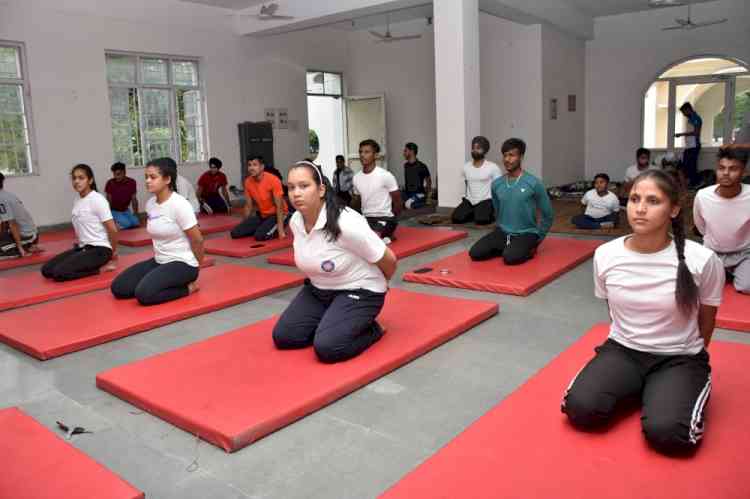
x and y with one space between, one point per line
69 96
563 61
627 53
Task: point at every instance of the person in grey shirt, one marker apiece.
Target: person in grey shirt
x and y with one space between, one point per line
18 233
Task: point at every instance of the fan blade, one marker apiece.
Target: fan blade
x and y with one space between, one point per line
377 35
709 23
682 22
272 18
673 27
406 37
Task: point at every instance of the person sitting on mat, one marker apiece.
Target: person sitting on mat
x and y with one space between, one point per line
722 214
266 192
602 206
378 192
662 292
18 233
516 198
342 181
209 185
186 190
347 268
95 230
417 179
643 163
178 244
478 174
121 193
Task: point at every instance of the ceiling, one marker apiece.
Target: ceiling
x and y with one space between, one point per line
600 8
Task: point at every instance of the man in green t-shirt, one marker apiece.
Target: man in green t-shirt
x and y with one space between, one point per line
516 197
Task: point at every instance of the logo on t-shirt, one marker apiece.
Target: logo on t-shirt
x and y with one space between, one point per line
328 266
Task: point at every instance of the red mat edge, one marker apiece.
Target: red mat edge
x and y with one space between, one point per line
231 444
494 288
140 494
82 345
250 253
733 325
204 231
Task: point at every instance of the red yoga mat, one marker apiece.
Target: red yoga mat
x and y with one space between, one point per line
554 257
410 241
31 287
48 250
208 224
525 447
235 388
734 312
58 327
245 247
37 464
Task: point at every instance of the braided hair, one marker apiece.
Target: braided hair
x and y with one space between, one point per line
686 291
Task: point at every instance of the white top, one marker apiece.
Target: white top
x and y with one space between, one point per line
11 208
640 289
348 262
375 190
724 222
186 190
479 180
89 215
600 206
632 171
167 223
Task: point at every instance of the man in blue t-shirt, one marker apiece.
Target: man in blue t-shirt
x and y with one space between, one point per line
692 143
516 198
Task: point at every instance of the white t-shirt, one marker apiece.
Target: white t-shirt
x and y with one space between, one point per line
11 208
375 190
600 206
89 215
632 171
724 222
348 262
479 180
186 190
167 223
640 289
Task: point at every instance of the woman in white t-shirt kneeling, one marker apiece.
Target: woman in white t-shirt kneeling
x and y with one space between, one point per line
95 230
663 293
347 267
178 243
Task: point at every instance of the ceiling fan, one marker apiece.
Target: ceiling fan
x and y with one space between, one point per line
387 37
689 24
267 13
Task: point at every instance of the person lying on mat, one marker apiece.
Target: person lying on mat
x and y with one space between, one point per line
209 184
96 233
177 240
663 292
722 214
347 268
266 192
18 233
516 198
602 206
378 192
121 192
478 175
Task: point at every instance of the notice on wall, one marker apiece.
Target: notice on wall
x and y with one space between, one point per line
271 116
572 103
283 114
553 109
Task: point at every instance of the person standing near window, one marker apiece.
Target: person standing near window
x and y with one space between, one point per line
692 143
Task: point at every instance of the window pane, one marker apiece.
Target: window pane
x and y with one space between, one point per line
10 63
15 153
120 69
656 116
154 71
126 139
157 125
315 83
185 73
741 128
332 83
708 101
190 118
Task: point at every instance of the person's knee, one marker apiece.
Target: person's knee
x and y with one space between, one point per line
476 253
145 294
668 435
285 337
587 410
329 349
263 235
513 258
121 290
742 285
235 234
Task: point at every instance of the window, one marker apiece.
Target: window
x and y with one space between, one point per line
719 91
15 117
322 83
156 108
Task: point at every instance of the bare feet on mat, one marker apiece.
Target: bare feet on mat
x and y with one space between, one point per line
193 287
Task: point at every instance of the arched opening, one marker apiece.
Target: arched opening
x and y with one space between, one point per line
718 89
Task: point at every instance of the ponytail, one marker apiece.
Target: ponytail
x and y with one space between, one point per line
333 208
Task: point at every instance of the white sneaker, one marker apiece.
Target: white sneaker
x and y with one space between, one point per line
607 225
